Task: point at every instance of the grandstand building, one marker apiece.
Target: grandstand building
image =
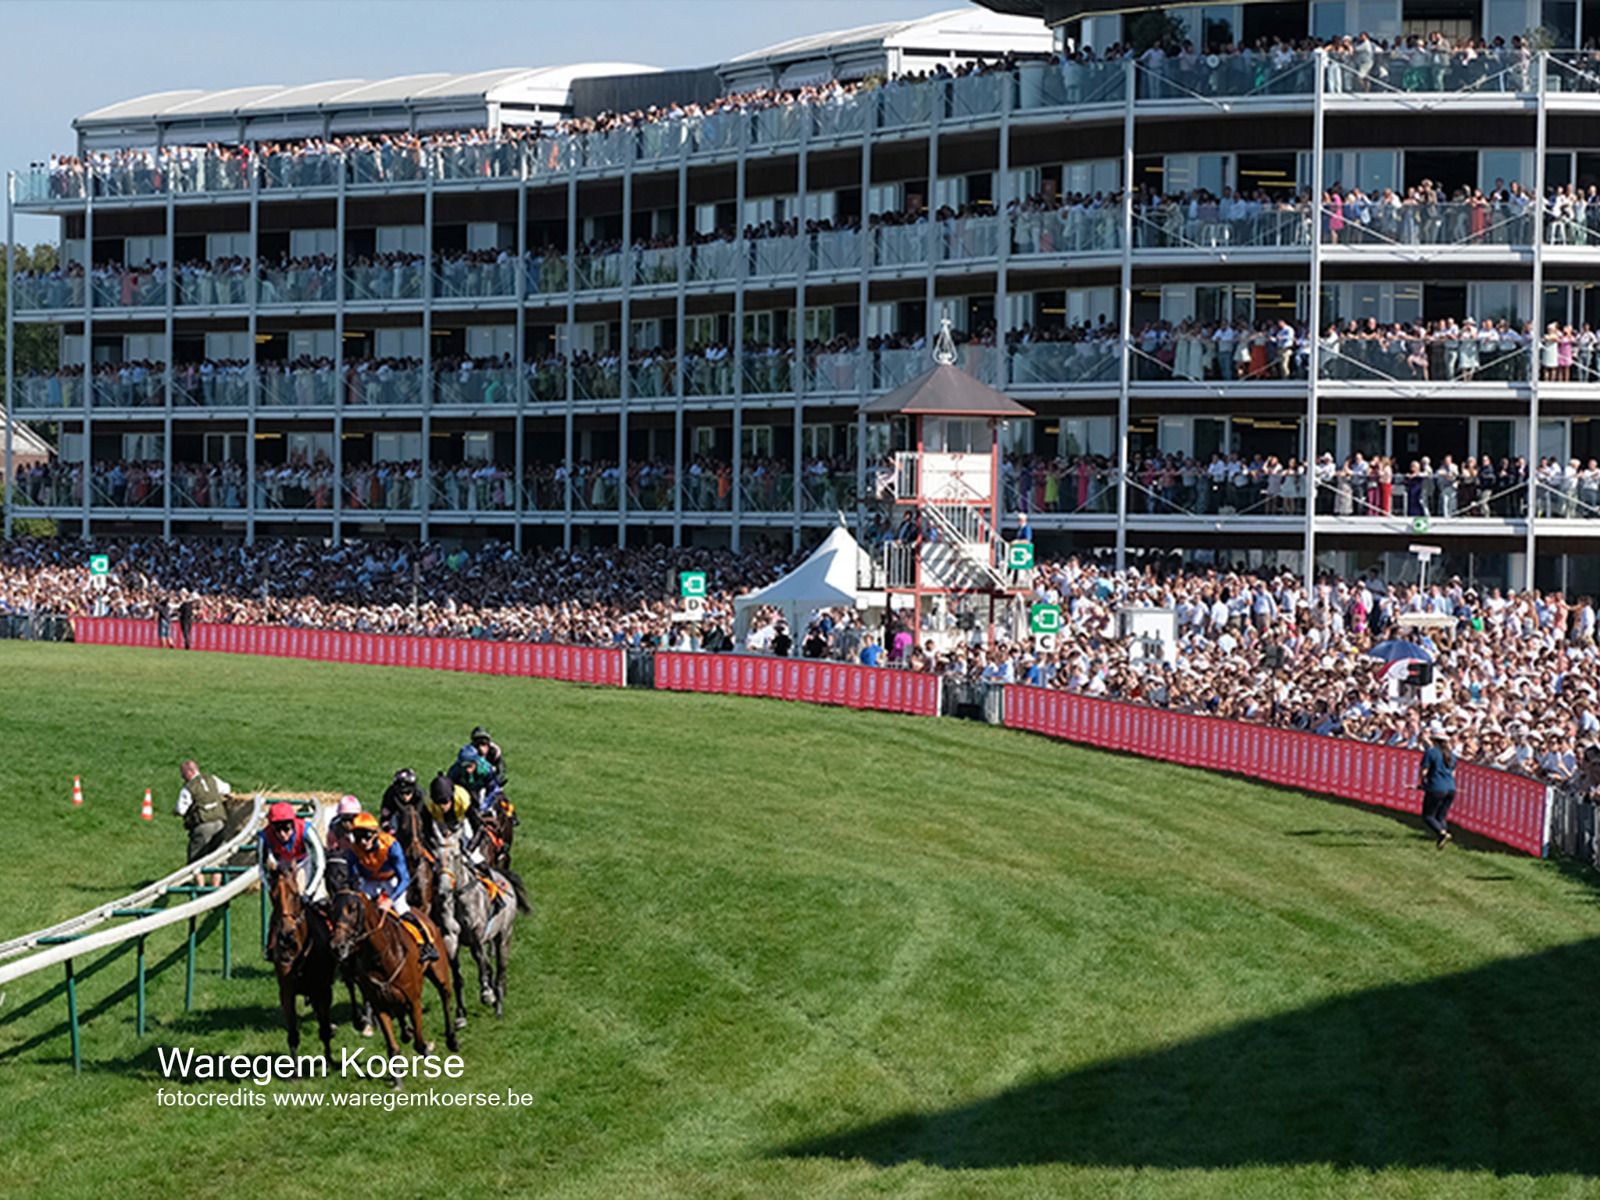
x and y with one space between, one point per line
355 309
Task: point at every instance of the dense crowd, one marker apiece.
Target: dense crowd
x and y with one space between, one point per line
1516 672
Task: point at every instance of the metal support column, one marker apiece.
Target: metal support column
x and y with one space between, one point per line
427 357
571 339
681 344
1002 290
625 355
864 365
797 371
341 292
10 405
227 940
1314 317
253 325
519 354
88 348
1540 141
188 973
736 535
935 239
72 1019
1130 81
138 985
168 355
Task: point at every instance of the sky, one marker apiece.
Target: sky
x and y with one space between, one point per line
73 56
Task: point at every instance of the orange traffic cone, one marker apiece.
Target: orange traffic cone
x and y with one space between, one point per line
77 792
145 809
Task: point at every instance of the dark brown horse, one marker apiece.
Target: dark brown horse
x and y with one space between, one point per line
420 861
388 965
497 827
300 943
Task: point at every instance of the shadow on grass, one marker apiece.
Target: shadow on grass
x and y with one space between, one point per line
1489 1069
208 940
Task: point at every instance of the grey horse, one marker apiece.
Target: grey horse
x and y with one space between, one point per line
472 918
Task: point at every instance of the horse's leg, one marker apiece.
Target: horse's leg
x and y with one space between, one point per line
322 1001
291 1017
441 984
360 1014
501 945
414 997
386 1023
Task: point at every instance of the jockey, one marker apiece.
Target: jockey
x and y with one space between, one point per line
378 869
402 793
489 750
448 815
472 772
338 844
284 844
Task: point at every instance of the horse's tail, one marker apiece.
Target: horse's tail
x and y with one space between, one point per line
524 905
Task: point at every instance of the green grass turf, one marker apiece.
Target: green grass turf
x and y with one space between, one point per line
783 950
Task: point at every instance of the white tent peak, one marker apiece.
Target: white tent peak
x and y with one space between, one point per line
829 578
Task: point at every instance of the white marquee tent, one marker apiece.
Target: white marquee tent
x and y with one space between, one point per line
829 578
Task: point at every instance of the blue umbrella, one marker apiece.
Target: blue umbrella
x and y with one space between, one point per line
1396 650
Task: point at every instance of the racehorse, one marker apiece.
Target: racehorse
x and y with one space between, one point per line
496 830
480 924
388 965
420 861
302 955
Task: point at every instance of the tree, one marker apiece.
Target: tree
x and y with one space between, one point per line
38 346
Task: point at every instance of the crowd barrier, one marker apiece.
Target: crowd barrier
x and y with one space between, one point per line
1506 808
574 664
812 680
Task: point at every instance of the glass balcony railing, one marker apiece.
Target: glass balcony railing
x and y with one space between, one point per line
52 391
1211 227
460 279
776 256
843 371
297 285
280 169
844 116
478 160
656 265
1060 363
40 185
1428 224
384 487
1194 357
717 133
1385 73
1563 229
1071 229
1080 488
900 245
547 382
545 493
130 387
197 172
650 491
476 385
215 486
827 491
767 488
399 280
596 272
977 95
43 293
470 489
131 289
546 274
60 488
212 288
651 379
1069 85
777 126
208 387
298 387
661 140
1436 360
708 376
383 386
969 237
594 490
294 487
893 367
768 373
1230 76
836 250
136 488
706 489
370 166
596 381
717 261
613 148
902 104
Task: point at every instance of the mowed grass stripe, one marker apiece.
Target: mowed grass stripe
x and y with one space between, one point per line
782 949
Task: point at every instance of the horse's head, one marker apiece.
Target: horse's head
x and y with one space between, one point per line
353 917
288 932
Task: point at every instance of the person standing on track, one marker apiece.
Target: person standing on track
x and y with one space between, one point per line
186 620
1438 785
203 805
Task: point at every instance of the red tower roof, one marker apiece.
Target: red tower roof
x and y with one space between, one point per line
945 391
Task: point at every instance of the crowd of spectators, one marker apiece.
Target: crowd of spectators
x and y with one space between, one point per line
1516 673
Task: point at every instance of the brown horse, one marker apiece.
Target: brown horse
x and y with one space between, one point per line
300 943
497 829
388 965
420 861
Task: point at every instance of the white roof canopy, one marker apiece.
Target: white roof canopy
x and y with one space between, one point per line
829 578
